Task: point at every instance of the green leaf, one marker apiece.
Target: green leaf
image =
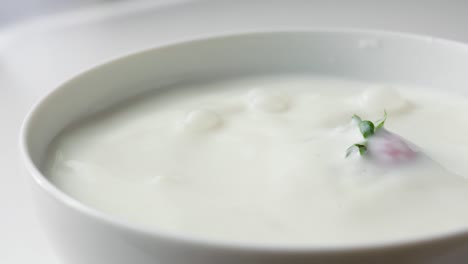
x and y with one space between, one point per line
362 148
381 122
367 128
356 119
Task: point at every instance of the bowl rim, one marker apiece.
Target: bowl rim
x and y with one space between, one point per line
198 240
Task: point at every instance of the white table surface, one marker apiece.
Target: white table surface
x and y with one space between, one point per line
38 55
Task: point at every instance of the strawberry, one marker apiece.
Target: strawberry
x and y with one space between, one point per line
380 144
387 147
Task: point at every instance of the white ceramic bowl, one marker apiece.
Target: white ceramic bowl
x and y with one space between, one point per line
84 235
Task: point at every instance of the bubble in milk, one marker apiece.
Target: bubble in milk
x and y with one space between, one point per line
374 100
268 101
201 120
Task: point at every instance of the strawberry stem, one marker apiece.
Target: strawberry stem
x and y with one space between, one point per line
367 129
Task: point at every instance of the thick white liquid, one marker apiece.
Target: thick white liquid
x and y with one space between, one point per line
263 160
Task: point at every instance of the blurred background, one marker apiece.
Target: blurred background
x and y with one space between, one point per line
18 10
45 42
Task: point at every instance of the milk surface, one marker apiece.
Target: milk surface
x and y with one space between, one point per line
263 160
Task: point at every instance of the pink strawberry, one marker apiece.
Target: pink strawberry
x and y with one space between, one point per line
387 147
380 144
